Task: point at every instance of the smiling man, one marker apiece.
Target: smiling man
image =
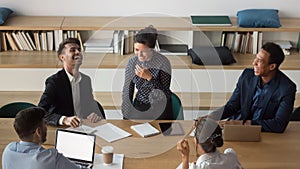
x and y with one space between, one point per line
68 95
263 95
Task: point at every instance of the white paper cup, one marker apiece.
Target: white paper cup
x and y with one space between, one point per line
107 153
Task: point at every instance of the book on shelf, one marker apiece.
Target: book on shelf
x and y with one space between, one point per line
11 41
50 40
27 41
4 42
58 38
43 40
29 37
210 20
80 40
145 129
116 41
22 40
17 41
37 40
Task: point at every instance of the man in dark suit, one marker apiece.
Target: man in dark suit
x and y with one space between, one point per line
68 95
264 95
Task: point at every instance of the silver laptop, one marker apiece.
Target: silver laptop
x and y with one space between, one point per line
241 132
76 146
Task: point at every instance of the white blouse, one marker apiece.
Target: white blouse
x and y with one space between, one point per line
217 160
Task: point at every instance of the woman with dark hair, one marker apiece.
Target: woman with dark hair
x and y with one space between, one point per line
150 73
208 136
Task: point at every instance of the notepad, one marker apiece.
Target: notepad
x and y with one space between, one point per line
145 129
202 20
110 132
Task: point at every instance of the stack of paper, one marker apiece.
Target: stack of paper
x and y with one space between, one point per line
110 132
99 45
145 129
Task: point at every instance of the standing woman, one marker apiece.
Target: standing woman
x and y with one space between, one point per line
150 73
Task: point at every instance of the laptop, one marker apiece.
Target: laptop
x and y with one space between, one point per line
241 132
78 147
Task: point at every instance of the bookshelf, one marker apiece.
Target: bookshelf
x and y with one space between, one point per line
85 24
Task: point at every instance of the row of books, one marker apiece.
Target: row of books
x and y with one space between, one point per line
34 40
242 42
122 42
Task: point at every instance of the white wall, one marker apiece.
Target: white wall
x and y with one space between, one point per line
288 8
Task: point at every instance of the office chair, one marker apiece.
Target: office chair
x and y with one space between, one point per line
296 115
10 110
101 109
177 107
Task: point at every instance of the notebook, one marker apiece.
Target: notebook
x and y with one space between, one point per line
171 129
145 129
241 132
77 146
202 20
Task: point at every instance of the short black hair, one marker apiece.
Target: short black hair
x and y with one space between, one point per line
146 36
276 53
66 41
27 120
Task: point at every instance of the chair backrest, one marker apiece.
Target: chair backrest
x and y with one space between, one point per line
296 115
10 110
177 107
101 109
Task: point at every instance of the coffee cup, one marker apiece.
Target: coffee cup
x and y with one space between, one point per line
107 153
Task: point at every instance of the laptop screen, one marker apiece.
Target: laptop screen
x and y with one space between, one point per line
75 145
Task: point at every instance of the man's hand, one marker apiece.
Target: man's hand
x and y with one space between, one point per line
73 121
94 118
143 72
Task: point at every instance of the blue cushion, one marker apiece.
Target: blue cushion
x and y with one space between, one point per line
258 18
4 13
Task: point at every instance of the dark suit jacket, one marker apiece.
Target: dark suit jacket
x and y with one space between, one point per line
57 98
278 104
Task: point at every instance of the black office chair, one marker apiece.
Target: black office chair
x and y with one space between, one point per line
296 115
101 109
10 110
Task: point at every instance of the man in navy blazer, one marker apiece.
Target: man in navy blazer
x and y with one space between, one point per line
68 95
263 95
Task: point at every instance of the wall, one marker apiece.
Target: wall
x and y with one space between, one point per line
288 8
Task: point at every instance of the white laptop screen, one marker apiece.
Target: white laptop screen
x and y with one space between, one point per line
76 146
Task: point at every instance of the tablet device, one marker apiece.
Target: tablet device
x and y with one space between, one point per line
171 128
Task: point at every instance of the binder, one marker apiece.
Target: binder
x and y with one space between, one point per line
203 20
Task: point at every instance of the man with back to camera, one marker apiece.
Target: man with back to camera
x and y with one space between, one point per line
264 95
68 95
28 153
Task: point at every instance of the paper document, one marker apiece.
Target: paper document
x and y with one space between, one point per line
83 128
110 132
145 129
117 162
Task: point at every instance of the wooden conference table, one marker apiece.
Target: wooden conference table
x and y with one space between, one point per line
275 151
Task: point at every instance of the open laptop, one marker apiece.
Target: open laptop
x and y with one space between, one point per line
77 146
241 132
